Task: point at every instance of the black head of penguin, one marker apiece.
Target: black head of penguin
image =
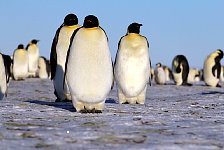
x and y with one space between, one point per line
220 55
158 65
20 46
134 28
91 21
70 20
34 41
181 60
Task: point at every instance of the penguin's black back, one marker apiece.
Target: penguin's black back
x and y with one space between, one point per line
7 62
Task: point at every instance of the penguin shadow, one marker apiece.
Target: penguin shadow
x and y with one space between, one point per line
212 93
62 105
111 101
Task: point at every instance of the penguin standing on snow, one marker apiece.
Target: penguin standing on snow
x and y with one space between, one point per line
132 65
212 68
89 71
43 68
20 63
58 55
5 74
180 69
168 73
33 55
160 75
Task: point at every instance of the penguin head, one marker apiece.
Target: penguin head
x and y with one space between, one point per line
70 20
134 28
220 54
20 46
91 21
34 41
158 65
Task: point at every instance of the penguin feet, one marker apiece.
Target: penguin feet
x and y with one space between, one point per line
90 111
218 85
186 84
134 100
89 107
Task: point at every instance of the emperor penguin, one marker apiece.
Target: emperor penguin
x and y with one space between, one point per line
33 55
43 68
89 70
20 63
5 74
59 49
194 75
132 65
180 69
212 68
160 75
222 74
168 73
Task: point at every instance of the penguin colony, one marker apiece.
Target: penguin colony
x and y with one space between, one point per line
83 73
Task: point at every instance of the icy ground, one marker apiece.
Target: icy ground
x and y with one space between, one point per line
172 118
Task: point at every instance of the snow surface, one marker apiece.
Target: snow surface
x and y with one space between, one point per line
173 117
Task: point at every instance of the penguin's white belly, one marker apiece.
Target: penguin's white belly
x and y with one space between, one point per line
42 72
33 55
132 75
20 65
208 76
178 78
160 76
89 69
3 85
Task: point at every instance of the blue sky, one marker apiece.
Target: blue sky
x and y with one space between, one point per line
193 28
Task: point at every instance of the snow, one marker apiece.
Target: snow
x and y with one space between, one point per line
173 117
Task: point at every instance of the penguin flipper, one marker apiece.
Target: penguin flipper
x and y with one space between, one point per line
216 70
7 62
53 54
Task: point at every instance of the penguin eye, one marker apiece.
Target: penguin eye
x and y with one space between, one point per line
88 20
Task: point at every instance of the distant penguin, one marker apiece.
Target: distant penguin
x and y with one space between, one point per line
20 63
5 64
222 74
151 73
132 65
160 75
168 73
33 54
180 69
193 76
212 68
89 71
43 68
58 55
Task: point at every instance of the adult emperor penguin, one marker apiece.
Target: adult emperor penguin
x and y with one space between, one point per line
89 71
43 68
160 75
132 65
212 68
5 64
20 63
33 55
59 48
180 69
